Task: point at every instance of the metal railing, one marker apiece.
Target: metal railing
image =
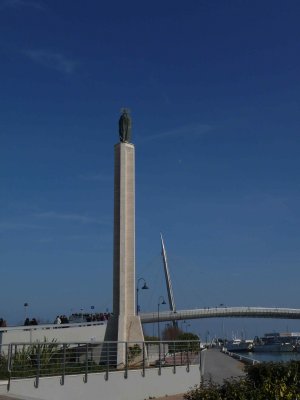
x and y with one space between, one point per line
241 357
51 326
224 311
43 359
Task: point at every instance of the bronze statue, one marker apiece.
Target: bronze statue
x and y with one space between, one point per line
125 126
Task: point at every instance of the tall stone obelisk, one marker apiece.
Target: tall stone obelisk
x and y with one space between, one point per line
124 325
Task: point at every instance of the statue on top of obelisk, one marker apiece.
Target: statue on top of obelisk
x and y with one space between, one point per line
125 126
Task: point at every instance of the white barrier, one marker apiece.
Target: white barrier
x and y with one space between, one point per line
83 332
134 387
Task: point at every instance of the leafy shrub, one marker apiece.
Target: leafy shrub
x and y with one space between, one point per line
133 352
47 358
266 381
185 342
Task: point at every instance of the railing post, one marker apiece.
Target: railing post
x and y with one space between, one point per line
85 379
126 360
159 359
62 379
188 359
107 361
174 358
199 360
38 367
77 352
9 364
144 359
202 362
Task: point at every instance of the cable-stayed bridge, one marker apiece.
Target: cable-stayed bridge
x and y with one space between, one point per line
221 312
210 312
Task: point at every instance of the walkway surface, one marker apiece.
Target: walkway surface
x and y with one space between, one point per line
217 367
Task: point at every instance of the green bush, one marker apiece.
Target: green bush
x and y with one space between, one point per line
50 358
3 367
266 381
133 352
184 342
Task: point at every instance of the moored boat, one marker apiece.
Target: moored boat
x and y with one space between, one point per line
238 345
273 347
276 342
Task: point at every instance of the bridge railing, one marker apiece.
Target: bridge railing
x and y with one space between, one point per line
222 311
60 359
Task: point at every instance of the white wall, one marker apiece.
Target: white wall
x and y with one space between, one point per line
135 387
89 332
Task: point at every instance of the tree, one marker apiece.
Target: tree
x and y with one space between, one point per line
171 333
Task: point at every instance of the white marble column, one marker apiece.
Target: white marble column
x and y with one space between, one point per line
125 325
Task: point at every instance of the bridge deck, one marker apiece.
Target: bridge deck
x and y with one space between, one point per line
221 312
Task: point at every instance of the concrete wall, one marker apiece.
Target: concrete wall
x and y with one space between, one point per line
135 387
88 332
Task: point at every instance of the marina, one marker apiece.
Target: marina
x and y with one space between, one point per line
269 343
272 347
270 357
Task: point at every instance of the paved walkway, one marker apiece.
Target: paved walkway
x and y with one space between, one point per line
217 367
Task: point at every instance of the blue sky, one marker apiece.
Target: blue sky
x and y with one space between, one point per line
213 89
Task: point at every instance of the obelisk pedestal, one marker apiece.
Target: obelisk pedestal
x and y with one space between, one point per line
124 325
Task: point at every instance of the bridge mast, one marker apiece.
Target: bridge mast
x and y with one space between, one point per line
168 279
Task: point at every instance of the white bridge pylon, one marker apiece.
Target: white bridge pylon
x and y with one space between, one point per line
221 312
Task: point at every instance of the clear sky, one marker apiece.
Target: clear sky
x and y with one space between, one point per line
214 92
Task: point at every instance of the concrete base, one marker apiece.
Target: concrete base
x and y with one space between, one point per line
111 333
124 329
134 332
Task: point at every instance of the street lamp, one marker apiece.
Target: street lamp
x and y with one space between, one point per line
161 301
137 292
186 325
207 337
25 309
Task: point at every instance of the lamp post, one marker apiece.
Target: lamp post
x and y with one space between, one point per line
161 301
183 322
207 337
25 309
137 293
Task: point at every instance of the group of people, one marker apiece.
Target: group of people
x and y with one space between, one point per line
100 317
32 321
95 317
61 319
82 317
